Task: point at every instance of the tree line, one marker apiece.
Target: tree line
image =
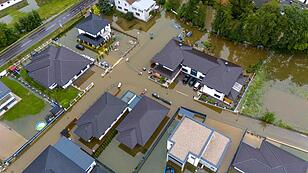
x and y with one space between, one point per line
273 25
10 33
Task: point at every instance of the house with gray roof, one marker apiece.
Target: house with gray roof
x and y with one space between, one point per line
94 30
100 117
220 79
57 66
64 156
141 123
267 158
7 99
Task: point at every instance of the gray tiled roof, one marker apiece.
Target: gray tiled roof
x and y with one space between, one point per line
219 74
222 77
92 24
268 159
55 65
170 56
74 153
4 90
140 124
98 118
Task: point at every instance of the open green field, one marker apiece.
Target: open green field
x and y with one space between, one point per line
50 8
62 96
29 105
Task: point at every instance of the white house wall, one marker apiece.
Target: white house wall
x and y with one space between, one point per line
212 92
144 14
187 70
8 3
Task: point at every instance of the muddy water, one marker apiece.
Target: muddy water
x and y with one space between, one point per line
286 91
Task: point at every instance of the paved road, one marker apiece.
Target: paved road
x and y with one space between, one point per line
46 30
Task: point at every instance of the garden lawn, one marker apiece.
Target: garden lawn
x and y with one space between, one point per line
29 105
252 102
50 8
62 96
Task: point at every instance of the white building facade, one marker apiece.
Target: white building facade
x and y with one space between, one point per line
105 33
7 3
141 9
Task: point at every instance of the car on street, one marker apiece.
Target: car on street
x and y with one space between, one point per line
80 47
192 82
186 79
197 86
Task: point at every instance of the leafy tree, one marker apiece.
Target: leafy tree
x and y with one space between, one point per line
161 2
223 19
172 4
268 117
129 16
29 22
95 10
7 35
194 12
240 8
105 7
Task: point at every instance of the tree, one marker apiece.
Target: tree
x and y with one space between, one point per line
194 12
29 22
223 19
105 7
129 16
268 117
95 10
241 8
7 35
172 4
161 2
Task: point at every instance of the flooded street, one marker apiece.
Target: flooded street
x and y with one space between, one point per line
286 88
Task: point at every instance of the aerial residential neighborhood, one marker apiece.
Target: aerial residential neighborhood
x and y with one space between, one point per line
153 86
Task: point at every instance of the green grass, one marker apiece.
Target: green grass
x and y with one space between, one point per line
29 105
252 103
50 8
62 96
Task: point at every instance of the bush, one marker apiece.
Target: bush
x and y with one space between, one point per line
161 2
129 16
269 117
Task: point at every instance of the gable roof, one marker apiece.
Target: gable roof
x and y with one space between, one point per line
140 124
93 24
4 90
65 156
99 117
74 153
55 65
267 159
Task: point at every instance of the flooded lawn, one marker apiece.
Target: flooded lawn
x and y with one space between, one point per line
25 126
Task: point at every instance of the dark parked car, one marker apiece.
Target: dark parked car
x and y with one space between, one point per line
80 47
192 82
186 79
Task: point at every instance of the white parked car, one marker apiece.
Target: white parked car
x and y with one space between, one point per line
197 86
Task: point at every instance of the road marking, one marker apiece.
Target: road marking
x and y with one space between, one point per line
50 27
26 43
182 93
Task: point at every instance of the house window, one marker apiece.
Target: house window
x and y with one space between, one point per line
201 77
137 14
217 96
125 5
119 2
119 7
140 11
193 72
185 70
126 9
134 8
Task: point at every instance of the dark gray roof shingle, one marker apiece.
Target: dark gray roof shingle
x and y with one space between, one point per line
55 65
98 118
219 74
268 159
93 24
140 124
4 90
94 41
170 56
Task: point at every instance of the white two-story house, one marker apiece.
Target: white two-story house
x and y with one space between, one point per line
140 8
94 31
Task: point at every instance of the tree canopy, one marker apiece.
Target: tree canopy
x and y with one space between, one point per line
105 7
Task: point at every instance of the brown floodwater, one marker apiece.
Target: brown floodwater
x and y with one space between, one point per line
286 90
